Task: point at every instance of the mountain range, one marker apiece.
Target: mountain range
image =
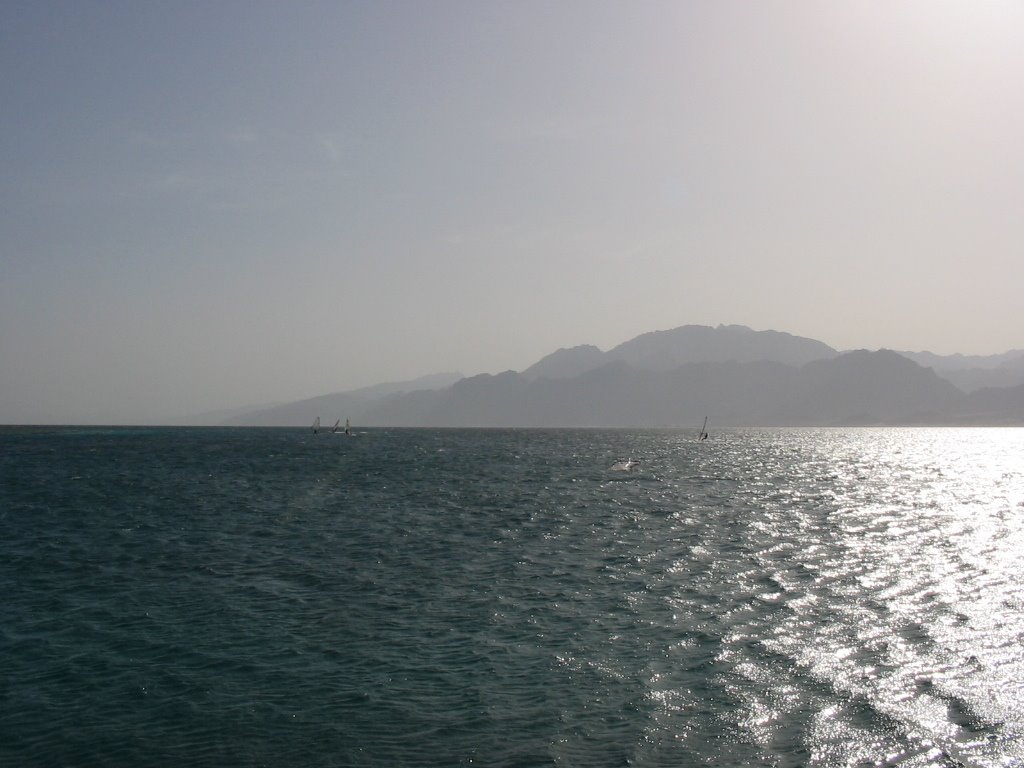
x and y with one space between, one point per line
734 375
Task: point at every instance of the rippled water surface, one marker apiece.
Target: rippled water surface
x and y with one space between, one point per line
503 598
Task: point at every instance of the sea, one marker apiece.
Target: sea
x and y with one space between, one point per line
417 597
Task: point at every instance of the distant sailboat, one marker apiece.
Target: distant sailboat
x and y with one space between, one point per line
316 426
704 430
348 429
335 427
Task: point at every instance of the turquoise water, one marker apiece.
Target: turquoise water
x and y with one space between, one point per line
500 598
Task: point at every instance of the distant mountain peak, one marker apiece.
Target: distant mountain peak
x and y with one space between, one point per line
566 363
668 349
665 350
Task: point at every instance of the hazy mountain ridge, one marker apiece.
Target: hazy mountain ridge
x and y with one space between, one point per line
973 372
855 388
353 404
1013 359
863 387
735 375
566 363
992 405
666 350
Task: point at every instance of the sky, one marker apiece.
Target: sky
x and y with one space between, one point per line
213 205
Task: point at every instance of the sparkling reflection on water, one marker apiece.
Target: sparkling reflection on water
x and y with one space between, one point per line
768 597
895 559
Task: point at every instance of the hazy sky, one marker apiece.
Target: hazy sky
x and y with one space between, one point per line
206 205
